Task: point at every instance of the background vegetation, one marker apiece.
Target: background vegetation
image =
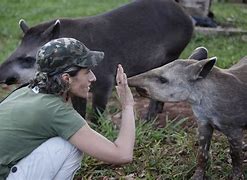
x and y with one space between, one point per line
160 153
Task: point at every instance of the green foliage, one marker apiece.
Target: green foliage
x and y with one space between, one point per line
34 12
230 14
158 153
228 49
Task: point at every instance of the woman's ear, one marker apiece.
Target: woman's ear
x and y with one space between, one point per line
66 77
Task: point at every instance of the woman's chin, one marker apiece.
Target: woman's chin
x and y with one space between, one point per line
84 95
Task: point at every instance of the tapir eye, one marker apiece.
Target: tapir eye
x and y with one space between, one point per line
26 62
162 80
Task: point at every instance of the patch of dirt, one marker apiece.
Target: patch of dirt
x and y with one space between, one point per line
171 111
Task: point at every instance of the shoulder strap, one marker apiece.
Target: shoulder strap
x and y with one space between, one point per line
21 86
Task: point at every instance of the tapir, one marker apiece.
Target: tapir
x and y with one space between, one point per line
218 98
141 35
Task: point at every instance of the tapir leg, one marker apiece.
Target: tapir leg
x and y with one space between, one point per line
154 108
79 105
205 131
235 137
100 97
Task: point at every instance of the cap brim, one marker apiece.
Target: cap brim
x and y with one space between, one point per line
93 58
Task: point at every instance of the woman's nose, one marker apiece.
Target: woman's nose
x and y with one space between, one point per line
92 77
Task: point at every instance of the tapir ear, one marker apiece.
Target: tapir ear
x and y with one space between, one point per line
201 69
24 27
53 31
199 53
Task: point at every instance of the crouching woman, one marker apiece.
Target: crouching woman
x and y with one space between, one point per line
41 135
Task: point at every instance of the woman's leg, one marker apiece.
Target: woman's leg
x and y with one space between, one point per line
54 159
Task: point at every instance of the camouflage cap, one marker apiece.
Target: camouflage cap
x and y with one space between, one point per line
60 54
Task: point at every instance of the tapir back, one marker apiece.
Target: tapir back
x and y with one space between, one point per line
141 35
240 70
224 98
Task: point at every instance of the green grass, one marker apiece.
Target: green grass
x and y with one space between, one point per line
160 153
231 14
228 49
151 145
34 12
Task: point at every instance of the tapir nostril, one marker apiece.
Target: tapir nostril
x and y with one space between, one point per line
11 80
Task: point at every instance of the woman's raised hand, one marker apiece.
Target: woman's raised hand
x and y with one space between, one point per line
123 90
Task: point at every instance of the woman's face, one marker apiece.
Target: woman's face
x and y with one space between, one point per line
80 83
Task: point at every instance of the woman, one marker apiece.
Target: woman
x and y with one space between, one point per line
41 135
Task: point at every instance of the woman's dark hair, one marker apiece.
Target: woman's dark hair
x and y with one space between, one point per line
53 84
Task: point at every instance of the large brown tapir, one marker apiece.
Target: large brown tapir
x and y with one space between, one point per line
141 35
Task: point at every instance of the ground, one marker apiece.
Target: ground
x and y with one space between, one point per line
170 111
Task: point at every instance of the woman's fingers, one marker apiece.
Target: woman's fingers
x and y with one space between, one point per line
123 91
117 77
120 68
124 79
121 77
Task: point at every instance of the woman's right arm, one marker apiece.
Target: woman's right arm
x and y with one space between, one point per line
121 150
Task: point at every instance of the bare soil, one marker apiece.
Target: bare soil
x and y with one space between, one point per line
170 111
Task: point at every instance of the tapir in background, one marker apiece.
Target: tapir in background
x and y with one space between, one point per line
141 35
218 98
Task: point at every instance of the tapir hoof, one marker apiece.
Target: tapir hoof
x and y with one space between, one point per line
199 175
236 176
244 147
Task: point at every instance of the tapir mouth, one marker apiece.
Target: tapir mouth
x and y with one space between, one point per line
6 85
142 92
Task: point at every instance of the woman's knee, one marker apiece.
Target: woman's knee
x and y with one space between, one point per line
58 144
51 157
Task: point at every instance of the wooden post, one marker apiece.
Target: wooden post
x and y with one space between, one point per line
198 8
